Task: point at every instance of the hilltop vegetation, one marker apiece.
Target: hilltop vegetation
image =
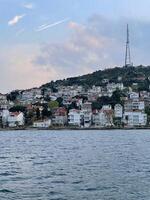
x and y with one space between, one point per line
127 75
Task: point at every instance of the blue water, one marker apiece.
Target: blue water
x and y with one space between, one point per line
75 165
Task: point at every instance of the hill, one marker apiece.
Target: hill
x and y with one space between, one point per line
127 75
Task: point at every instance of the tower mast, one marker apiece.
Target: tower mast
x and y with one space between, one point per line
127 54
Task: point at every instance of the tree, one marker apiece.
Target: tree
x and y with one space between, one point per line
60 101
53 104
38 113
13 96
46 113
18 108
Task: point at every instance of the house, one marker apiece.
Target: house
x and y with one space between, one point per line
87 119
75 117
60 117
111 87
103 117
15 119
134 104
134 95
4 116
87 106
42 124
118 111
94 90
134 118
29 95
3 99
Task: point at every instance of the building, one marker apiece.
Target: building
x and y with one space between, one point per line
42 124
15 119
118 111
134 95
111 87
103 117
60 117
87 119
4 114
134 105
87 106
75 118
134 118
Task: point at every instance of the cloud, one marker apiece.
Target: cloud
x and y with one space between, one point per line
86 50
97 44
46 26
18 70
29 6
15 20
94 45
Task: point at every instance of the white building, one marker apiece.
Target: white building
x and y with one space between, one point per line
134 95
31 94
95 90
87 119
134 104
87 107
104 117
118 111
75 117
42 124
4 116
3 99
133 118
111 87
15 119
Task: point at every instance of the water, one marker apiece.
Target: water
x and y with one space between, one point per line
75 165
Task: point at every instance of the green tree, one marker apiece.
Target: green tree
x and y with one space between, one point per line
18 108
53 104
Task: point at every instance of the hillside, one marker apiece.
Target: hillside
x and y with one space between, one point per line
127 75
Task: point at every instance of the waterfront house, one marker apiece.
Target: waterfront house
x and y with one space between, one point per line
15 119
75 117
103 117
59 117
42 124
134 118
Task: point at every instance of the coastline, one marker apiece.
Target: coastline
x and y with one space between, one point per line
71 129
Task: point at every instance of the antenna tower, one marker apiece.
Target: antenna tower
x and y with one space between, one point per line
128 62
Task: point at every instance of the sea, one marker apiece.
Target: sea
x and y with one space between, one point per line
75 165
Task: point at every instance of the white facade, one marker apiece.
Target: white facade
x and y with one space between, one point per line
107 107
75 117
3 99
87 119
87 107
42 124
134 105
135 118
59 120
134 95
15 119
4 115
118 111
31 94
111 87
104 117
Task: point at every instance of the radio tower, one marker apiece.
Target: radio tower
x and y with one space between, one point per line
128 55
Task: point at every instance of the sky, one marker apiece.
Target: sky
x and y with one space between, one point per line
44 40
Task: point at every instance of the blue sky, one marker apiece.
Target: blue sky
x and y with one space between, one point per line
42 40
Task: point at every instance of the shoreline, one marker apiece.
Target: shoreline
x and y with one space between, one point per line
72 129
